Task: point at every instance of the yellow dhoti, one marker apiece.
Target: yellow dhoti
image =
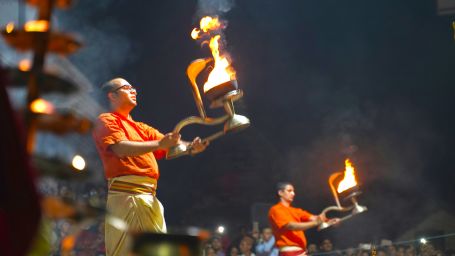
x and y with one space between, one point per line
133 200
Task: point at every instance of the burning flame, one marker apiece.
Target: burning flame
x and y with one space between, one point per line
222 71
208 23
9 27
24 65
37 25
195 33
41 106
349 180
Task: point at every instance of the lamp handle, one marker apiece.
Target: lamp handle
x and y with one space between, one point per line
182 149
325 224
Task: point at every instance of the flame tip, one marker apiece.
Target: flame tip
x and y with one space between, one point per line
349 179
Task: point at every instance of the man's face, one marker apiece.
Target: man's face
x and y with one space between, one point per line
326 245
287 194
246 245
266 234
312 248
124 95
216 244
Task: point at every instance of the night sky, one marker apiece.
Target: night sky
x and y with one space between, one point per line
323 81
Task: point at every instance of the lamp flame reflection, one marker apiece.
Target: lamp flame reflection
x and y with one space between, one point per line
41 106
9 27
37 26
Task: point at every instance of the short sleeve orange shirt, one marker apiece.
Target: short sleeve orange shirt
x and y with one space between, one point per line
279 216
112 128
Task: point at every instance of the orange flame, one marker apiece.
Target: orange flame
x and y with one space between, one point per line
208 23
195 33
9 27
24 65
37 25
41 106
222 71
349 180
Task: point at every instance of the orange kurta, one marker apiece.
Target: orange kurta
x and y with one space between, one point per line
279 216
112 128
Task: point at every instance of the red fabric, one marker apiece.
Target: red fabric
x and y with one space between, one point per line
113 128
20 210
293 253
279 216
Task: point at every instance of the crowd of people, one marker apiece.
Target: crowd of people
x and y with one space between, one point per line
263 245
81 237
89 240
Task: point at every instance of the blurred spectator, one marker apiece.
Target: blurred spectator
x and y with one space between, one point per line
246 246
363 253
381 252
255 232
391 250
326 247
312 248
400 251
350 252
266 244
234 251
217 246
209 251
410 251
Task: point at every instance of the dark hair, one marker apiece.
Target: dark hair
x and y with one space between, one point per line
282 185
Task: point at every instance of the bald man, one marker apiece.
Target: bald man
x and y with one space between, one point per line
129 150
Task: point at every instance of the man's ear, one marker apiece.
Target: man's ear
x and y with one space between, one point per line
280 193
111 96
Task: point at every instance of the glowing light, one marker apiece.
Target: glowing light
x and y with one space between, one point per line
423 240
37 25
222 71
78 162
195 33
220 229
208 23
349 180
24 65
9 27
41 106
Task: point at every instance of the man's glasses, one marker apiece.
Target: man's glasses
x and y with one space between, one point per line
126 87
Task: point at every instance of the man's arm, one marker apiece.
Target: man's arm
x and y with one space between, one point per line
314 222
136 148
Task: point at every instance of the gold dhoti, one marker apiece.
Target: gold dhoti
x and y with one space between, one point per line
132 199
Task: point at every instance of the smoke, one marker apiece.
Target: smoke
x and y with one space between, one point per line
214 7
106 47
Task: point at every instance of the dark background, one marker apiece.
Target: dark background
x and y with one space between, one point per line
323 81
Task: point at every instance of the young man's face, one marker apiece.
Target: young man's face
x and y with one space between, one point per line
287 194
267 234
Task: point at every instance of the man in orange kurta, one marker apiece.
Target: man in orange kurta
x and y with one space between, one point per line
289 223
129 150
